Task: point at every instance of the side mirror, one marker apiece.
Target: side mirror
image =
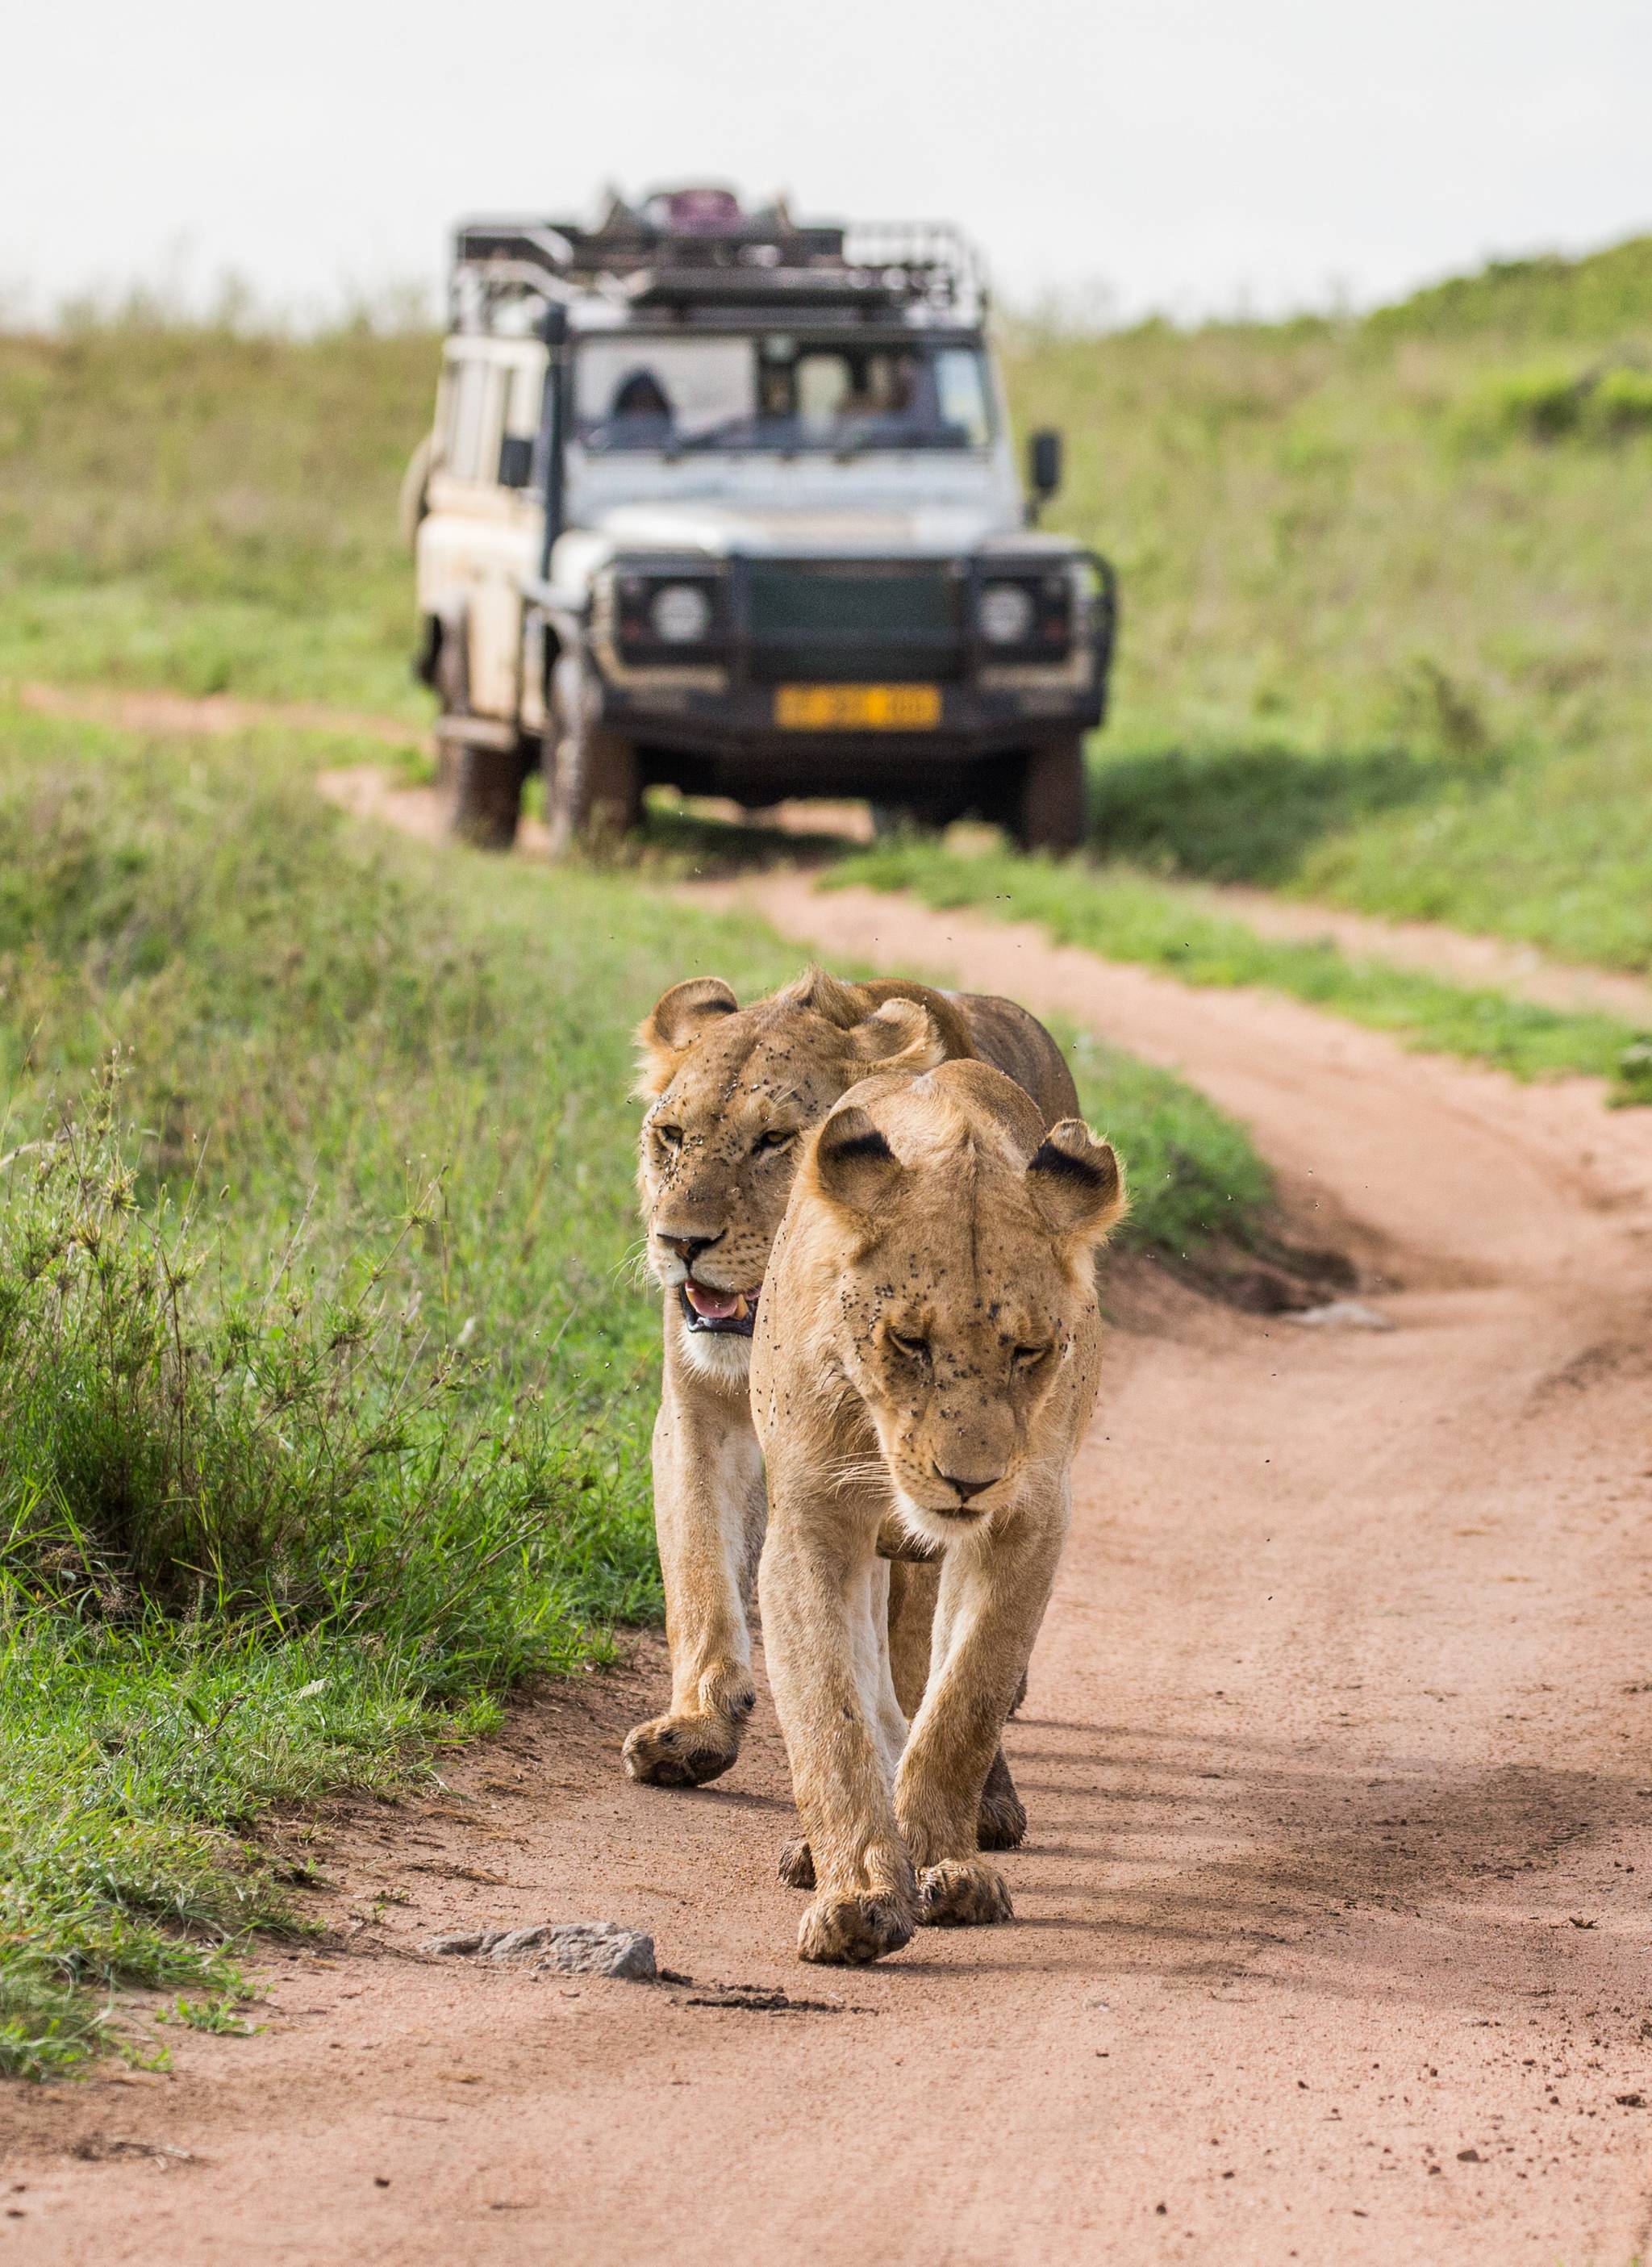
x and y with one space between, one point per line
1044 464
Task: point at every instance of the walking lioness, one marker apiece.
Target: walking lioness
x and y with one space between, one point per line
732 1092
928 1345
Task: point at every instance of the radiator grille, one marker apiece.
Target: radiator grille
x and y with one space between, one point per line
838 623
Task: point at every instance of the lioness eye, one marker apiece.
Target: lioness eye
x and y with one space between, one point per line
671 1135
780 1138
914 1349
1028 1357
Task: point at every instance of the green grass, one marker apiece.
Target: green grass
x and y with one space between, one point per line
1387 637
1125 915
182 506
325 1383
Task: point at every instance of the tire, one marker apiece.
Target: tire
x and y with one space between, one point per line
485 796
1046 799
594 786
480 786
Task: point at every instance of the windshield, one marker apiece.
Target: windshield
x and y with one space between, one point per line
779 393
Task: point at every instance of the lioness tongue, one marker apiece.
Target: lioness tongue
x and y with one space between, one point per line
716 1306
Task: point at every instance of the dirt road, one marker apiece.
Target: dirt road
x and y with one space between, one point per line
1333 1927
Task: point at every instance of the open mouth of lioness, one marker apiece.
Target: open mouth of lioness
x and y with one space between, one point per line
725 1314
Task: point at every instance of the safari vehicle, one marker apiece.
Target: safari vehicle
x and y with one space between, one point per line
726 501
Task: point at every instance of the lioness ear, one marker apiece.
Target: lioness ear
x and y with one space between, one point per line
853 1163
1075 1181
825 996
902 1035
679 1017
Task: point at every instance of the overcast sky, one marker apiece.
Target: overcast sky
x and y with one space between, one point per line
1190 154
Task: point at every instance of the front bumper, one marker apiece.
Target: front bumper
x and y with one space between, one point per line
714 722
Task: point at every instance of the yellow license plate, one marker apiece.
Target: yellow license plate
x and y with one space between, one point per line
857 707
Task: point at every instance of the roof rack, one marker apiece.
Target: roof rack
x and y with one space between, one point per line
684 250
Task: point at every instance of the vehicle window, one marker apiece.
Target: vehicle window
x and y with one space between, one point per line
960 384
781 393
468 396
659 394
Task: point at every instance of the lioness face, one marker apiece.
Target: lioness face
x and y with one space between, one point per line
964 1280
732 1091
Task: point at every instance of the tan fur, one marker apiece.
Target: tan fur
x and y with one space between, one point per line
721 1084
930 1319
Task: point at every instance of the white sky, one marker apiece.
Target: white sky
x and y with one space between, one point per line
1190 154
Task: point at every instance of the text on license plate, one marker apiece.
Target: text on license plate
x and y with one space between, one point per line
857 707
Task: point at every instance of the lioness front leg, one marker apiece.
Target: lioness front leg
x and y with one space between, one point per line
914 1583
825 1598
709 1514
994 1590
914 1587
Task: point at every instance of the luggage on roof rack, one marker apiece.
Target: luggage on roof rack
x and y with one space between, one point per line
698 248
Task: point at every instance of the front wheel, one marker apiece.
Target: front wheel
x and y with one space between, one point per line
593 787
484 795
1047 797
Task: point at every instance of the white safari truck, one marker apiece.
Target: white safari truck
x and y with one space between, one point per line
723 501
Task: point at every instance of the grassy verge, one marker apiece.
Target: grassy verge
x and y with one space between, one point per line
325 1386
1124 915
183 506
1386 594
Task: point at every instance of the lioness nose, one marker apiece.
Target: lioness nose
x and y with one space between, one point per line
688 1248
966 1488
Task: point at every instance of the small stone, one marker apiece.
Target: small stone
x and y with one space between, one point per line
600 1947
578 1947
514 1943
1468 2157
1340 1315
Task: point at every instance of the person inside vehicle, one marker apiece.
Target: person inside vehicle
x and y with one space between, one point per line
640 415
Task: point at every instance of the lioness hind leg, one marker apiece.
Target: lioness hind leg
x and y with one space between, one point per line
1002 1821
797 1864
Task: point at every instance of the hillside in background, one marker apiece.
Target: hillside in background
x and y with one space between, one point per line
1387 584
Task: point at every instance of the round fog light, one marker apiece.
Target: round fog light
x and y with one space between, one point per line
1006 613
679 614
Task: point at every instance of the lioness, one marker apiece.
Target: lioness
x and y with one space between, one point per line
732 1091
928 1342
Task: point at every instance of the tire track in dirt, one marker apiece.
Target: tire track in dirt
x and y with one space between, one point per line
1332 1923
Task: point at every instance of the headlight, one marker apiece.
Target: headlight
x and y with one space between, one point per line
1026 616
664 619
1005 613
679 614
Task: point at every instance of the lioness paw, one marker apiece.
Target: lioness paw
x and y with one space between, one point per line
963 1893
797 1864
850 1932
681 1750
